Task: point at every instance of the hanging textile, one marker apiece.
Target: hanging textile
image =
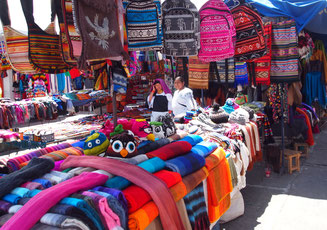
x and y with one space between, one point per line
198 73
17 45
276 94
98 26
241 74
222 66
73 37
284 52
263 65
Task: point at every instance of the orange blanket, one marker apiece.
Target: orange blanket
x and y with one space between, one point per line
219 184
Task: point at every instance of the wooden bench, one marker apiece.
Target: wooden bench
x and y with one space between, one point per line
289 155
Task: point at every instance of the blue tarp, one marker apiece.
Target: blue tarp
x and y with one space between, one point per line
302 11
319 23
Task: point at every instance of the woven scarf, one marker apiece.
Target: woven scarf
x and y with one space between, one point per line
196 209
198 74
157 189
284 52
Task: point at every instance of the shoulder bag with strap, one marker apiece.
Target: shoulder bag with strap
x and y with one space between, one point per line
44 48
16 43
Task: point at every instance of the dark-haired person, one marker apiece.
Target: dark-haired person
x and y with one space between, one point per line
183 99
160 99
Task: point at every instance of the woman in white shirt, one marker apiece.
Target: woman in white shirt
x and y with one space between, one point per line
160 99
183 100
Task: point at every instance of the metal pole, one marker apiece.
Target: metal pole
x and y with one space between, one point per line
114 108
202 98
283 131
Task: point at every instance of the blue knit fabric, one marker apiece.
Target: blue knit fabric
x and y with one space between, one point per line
192 139
204 148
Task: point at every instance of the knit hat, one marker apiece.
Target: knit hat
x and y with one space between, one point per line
218 115
249 110
229 106
95 144
240 116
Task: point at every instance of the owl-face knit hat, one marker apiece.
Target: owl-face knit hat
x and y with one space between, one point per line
218 115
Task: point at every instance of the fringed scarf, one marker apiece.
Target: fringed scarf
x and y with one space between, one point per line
196 209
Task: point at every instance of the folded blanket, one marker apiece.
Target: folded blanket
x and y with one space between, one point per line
21 192
63 153
186 164
137 197
45 183
140 219
32 185
72 211
133 160
192 139
178 191
57 165
36 168
13 164
219 184
13 209
171 150
204 148
86 208
4 206
153 165
194 179
153 145
11 198
196 208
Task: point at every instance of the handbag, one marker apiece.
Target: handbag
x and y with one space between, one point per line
44 48
16 44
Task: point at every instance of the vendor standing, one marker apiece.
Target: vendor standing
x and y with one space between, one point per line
160 99
183 99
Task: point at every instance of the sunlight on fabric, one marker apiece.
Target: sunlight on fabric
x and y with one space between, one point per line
287 211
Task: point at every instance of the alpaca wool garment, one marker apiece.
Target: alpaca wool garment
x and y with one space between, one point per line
192 139
157 189
186 164
204 148
219 184
153 165
31 212
198 74
112 220
194 179
13 164
196 209
140 219
171 150
36 168
153 145
137 197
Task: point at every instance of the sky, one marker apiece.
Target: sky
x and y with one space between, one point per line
42 13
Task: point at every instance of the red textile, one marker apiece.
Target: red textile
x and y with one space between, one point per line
171 150
137 197
310 139
74 73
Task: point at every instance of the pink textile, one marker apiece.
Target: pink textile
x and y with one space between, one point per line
37 206
111 218
157 189
57 165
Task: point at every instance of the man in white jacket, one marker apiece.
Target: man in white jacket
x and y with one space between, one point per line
183 99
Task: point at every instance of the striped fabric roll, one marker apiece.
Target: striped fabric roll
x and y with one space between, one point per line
17 50
63 153
284 52
198 73
14 163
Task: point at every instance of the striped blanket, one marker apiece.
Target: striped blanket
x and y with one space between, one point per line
284 52
198 74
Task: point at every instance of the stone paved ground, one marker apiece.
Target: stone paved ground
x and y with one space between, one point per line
297 201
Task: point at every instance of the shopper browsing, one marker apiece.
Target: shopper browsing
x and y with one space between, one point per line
183 99
160 99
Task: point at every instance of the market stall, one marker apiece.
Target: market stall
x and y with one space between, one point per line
125 169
